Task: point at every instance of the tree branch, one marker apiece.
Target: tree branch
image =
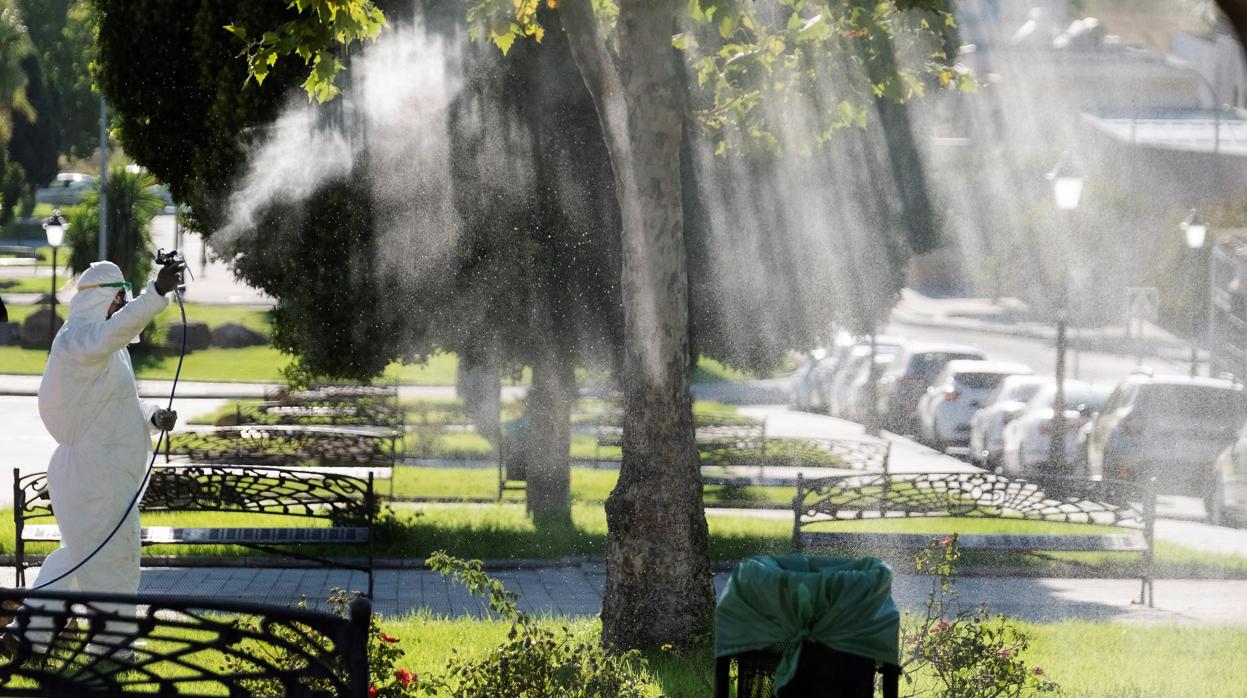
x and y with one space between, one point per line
597 69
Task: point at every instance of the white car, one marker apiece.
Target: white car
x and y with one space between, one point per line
852 401
856 361
804 393
66 190
987 429
945 411
1027 437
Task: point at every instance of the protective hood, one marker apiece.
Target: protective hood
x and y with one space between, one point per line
91 304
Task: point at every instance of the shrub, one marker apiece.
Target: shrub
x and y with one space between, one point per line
535 661
968 653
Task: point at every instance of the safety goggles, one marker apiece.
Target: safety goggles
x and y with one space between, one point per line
111 284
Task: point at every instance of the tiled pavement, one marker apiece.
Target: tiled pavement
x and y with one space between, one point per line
576 590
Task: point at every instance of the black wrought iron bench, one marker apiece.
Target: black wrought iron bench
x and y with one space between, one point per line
347 502
184 646
335 405
1127 507
737 443
290 446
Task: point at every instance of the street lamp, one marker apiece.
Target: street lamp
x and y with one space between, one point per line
1196 232
54 228
1067 190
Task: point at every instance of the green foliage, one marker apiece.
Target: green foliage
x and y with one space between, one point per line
535 661
14 46
131 207
63 33
36 139
13 188
320 28
970 653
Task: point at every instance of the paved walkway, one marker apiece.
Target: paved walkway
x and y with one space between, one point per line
576 590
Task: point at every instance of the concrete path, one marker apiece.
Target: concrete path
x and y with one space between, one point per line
576 590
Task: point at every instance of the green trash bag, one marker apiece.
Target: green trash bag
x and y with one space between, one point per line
776 603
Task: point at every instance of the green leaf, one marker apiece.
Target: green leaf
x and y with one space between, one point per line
504 41
240 32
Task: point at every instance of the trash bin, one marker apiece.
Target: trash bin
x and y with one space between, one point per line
796 625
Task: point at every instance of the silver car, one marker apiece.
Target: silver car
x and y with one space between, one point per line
1170 427
987 428
960 390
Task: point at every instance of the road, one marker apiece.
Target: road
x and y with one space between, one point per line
1095 367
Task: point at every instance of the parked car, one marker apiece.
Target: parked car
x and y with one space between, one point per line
1228 496
855 368
853 400
960 390
66 190
908 378
1028 437
808 383
1172 428
987 428
803 393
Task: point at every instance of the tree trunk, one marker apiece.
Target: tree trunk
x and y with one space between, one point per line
658 582
548 411
482 396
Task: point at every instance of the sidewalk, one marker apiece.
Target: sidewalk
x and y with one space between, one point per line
576 590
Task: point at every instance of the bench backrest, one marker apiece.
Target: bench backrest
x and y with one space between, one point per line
192 646
971 495
287 445
221 488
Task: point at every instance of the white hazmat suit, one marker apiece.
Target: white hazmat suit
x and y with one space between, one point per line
89 402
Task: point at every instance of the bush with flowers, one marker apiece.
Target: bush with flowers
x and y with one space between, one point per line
968 653
535 661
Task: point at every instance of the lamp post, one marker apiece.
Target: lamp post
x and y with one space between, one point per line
1067 190
54 228
1196 233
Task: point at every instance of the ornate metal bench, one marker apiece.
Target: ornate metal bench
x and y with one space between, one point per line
186 646
348 502
717 443
289 446
1127 506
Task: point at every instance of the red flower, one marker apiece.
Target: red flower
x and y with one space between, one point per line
403 677
1038 671
372 691
940 627
387 638
946 540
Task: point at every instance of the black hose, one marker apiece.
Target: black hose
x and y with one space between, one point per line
146 476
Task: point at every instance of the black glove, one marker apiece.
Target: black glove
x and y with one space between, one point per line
164 420
169 277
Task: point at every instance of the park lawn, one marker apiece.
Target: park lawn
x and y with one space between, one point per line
255 318
29 284
17 360
588 485
1088 660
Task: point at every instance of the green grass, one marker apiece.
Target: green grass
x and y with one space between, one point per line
1088 660
22 361
29 284
588 485
708 370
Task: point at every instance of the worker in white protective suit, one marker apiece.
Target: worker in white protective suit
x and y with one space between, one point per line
89 402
